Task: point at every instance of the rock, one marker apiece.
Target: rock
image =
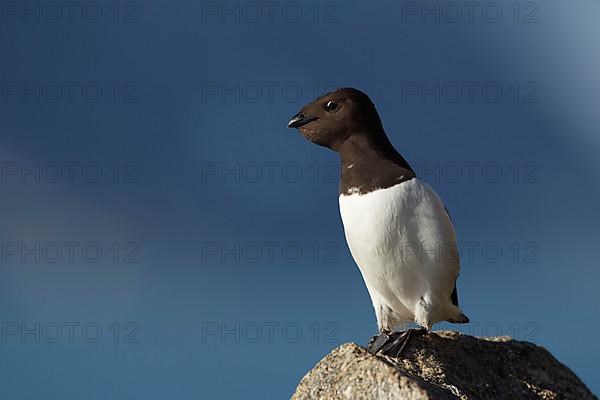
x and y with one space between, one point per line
440 366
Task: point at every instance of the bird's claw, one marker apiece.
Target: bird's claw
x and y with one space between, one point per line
392 343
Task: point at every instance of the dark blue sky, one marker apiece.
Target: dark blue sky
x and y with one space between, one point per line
166 236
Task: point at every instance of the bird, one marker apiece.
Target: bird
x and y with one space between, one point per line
396 226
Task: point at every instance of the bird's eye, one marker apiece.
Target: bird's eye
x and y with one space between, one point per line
331 105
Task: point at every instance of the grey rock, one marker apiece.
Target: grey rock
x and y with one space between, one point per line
443 365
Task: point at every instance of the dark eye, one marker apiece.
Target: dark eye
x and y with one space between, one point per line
331 105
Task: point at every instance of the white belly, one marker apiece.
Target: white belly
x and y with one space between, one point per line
405 246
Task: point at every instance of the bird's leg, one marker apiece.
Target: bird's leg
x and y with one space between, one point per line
378 341
398 342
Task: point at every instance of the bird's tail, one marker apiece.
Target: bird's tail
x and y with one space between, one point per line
461 319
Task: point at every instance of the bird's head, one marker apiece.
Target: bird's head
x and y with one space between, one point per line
334 117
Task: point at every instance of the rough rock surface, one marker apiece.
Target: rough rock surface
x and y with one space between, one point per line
444 365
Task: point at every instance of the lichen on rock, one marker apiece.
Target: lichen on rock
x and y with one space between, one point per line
444 365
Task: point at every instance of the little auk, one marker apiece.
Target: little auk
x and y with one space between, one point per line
397 228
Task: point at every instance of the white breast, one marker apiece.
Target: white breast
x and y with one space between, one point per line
405 246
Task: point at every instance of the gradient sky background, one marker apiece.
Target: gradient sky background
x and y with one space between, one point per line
183 111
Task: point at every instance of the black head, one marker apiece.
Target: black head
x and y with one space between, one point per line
332 118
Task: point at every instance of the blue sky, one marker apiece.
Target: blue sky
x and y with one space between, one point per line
165 235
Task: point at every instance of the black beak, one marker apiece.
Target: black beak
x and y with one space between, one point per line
299 119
